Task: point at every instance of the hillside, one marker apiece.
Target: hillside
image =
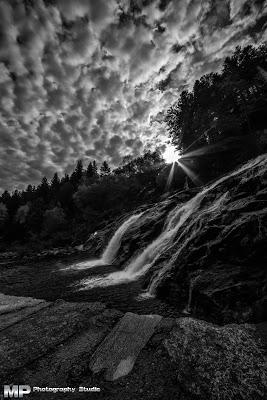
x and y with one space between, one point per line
206 249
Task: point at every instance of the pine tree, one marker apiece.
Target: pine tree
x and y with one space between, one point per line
65 179
90 171
6 197
3 215
95 168
55 182
43 189
28 195
77 174
104 169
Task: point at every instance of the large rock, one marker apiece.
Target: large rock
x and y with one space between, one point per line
14 309
34 335
219 362
219 253
10 304
118 352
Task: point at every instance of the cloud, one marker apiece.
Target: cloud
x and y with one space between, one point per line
92 79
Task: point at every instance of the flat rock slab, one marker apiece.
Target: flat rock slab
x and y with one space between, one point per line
42 331
117 353
14 309
11 318
13 303
68 363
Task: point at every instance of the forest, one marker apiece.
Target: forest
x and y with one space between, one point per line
216 125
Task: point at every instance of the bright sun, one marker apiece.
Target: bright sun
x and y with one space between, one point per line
171 154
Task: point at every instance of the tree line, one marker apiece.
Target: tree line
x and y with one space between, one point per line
80 200
226 108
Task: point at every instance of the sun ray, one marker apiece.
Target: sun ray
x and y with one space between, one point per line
194 178
170 177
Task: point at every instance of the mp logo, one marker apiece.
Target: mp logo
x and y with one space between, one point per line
16 391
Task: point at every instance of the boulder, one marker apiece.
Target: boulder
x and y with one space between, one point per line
222 363
117 353
219 254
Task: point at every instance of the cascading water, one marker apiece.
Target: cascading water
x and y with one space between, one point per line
115 242
195 216
155 249
112 248
180 221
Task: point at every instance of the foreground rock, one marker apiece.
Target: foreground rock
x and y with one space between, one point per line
219 362
43 331
84 344
118 352
14 309
9 304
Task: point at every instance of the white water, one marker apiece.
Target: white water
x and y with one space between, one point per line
177 224
112 248
115 242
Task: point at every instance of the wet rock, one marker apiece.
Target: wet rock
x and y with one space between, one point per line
223 245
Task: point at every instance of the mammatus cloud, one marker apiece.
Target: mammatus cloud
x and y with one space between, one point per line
91 79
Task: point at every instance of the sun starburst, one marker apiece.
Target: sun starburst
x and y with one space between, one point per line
171 154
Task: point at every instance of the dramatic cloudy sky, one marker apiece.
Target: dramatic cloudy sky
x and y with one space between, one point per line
91 79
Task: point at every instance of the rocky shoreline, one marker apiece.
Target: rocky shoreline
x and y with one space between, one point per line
60 344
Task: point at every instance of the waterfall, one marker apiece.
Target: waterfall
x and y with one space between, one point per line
191 209
151 253
112 248
179 222
115 242
179 216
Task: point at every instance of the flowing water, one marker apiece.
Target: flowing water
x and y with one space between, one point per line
180 220
100 279
112 248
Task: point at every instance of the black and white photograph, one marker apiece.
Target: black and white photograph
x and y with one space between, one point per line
133 199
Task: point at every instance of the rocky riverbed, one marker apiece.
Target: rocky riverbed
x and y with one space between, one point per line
59 344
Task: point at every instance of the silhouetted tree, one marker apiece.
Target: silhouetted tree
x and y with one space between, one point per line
22 213
54 220
222 105
6 197
65 179
43 189
147 162
95 168
89 171
28 194
55 183
104 169
35 215
65 195
3 215
77 174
